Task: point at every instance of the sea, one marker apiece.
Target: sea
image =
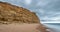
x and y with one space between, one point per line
54 26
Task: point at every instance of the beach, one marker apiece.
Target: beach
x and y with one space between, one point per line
20 28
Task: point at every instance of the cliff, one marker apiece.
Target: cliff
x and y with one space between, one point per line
14 14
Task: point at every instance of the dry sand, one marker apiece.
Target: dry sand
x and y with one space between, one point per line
19 28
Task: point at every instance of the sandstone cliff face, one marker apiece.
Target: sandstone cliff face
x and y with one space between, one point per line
11 13
14 14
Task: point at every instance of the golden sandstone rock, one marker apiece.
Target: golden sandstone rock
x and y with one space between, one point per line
14 14
11 13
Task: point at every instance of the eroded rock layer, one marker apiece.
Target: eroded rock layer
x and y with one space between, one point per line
11 13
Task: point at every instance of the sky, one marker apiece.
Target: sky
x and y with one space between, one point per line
44 9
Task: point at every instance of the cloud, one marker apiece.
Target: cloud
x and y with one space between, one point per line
27 2
42 3
45 9
41 11
55 18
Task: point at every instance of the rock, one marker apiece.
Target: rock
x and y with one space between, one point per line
14 14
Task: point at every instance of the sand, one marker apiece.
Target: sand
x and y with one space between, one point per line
20 28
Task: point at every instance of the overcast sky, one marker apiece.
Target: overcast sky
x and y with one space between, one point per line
45 9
